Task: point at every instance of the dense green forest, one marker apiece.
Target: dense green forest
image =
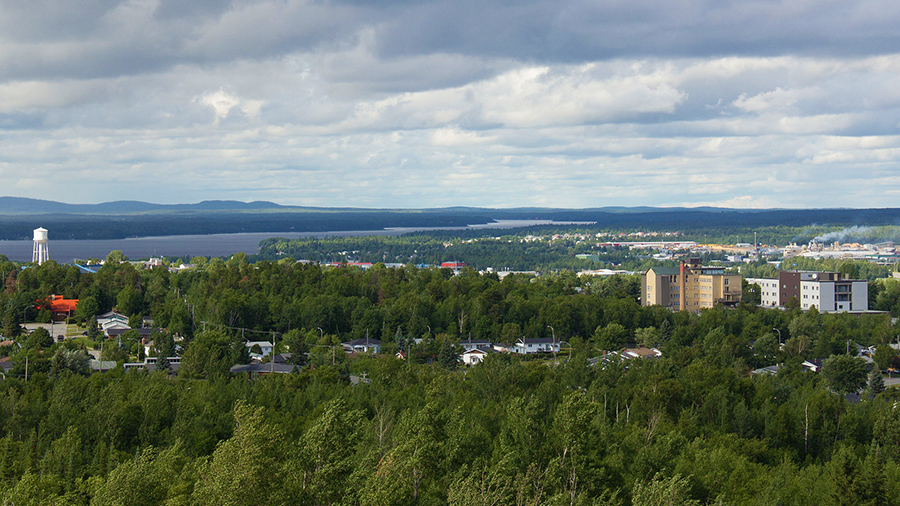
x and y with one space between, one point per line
693 427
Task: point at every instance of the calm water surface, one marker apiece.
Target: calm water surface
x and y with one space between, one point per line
215 245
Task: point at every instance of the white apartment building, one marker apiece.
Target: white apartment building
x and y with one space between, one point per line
824 290
768 289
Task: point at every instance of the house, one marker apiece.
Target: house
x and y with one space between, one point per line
471 344
476 355
769 370
255 371
265 348
528 346
112 320
641 352
60 307
104 365
144 333
363 345
149 364
114 325
6 365
813 365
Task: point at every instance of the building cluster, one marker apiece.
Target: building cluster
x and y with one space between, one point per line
690 287
829 292
882 253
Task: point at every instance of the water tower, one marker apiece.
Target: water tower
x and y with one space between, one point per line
41 253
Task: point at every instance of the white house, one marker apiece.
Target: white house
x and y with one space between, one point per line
475 355
112 320
527 346
363 345
471 344
264 346
641 352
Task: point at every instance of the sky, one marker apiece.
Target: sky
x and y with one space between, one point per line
437 103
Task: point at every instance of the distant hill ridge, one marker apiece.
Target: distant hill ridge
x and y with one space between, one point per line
123 219
21 205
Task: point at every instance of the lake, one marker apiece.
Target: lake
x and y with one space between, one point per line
214 245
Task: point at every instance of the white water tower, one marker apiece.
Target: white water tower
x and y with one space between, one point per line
41 252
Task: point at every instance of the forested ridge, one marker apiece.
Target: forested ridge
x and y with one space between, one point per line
693 427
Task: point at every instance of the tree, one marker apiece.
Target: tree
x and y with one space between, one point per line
11 321
76 361
245 469
849 270
647 336
447 356
884 356
876 382
752 293
844 374
40 339
112 351
115 256
661 491
87 309
610 338
129 301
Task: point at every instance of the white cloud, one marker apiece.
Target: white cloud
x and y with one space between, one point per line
573 104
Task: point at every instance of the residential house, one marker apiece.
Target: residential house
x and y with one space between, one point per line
144 333
257 370
476 355
362 345
264 346
527 346
471 344
641 352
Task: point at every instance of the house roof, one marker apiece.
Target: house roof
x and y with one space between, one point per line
111 314
143 332
263 368
643 352
538 340
61 305
363 342
665 271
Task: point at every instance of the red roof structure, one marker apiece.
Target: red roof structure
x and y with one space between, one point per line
58 304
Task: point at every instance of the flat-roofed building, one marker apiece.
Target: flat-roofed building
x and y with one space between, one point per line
826 291
690 286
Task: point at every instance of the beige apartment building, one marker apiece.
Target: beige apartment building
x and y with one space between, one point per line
690 287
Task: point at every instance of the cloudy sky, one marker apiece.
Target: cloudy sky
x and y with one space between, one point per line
499 103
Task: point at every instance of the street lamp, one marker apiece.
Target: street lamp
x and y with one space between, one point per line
553 345
779 335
